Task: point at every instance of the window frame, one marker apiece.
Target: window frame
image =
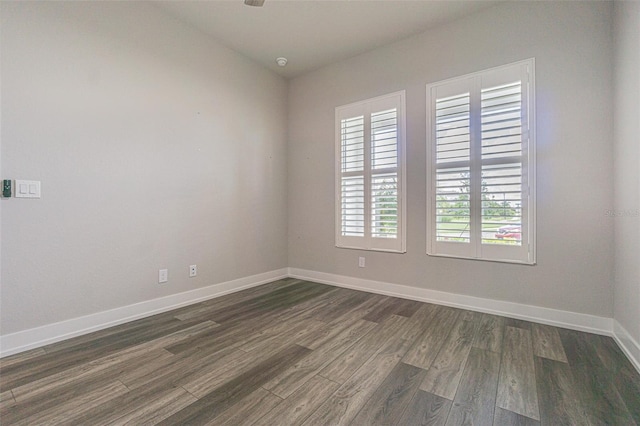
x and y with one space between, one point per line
367 108
475 249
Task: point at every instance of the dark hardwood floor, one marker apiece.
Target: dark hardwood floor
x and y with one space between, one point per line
299 353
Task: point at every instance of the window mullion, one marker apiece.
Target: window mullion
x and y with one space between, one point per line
367 176
526 159
384 171
476 167
352 173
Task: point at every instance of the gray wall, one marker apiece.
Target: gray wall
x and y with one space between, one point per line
156 148
627 167
572 44
159 148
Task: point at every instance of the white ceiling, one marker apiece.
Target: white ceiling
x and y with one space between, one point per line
314 33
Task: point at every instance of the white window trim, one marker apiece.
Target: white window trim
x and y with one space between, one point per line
395 245
526 254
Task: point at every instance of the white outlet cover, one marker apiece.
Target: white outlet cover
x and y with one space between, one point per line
163 276
193 270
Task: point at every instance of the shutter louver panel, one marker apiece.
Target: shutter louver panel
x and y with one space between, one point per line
453 138
384 179
352 136
502 204
453 205
352 206
352 183
501 121
384 139
453 155
384 205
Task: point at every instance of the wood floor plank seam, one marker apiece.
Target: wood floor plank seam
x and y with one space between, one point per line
183 388
332 381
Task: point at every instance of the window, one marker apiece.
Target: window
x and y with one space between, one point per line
481 165
370 179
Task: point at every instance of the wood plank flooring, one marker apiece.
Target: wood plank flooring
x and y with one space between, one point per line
299 353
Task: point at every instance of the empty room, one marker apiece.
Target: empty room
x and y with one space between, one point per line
311 212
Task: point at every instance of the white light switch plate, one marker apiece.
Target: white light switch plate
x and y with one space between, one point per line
27 188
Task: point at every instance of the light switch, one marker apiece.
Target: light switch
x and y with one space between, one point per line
27 188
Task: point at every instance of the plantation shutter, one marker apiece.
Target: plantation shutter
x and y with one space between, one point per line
480 165
370 175
501 130
453 168
384 174
352 179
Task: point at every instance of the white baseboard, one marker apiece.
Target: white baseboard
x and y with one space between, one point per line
51 333
627 343
40 336
555 317
571 320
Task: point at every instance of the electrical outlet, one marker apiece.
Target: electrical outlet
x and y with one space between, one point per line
163 276
361 262
193 271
